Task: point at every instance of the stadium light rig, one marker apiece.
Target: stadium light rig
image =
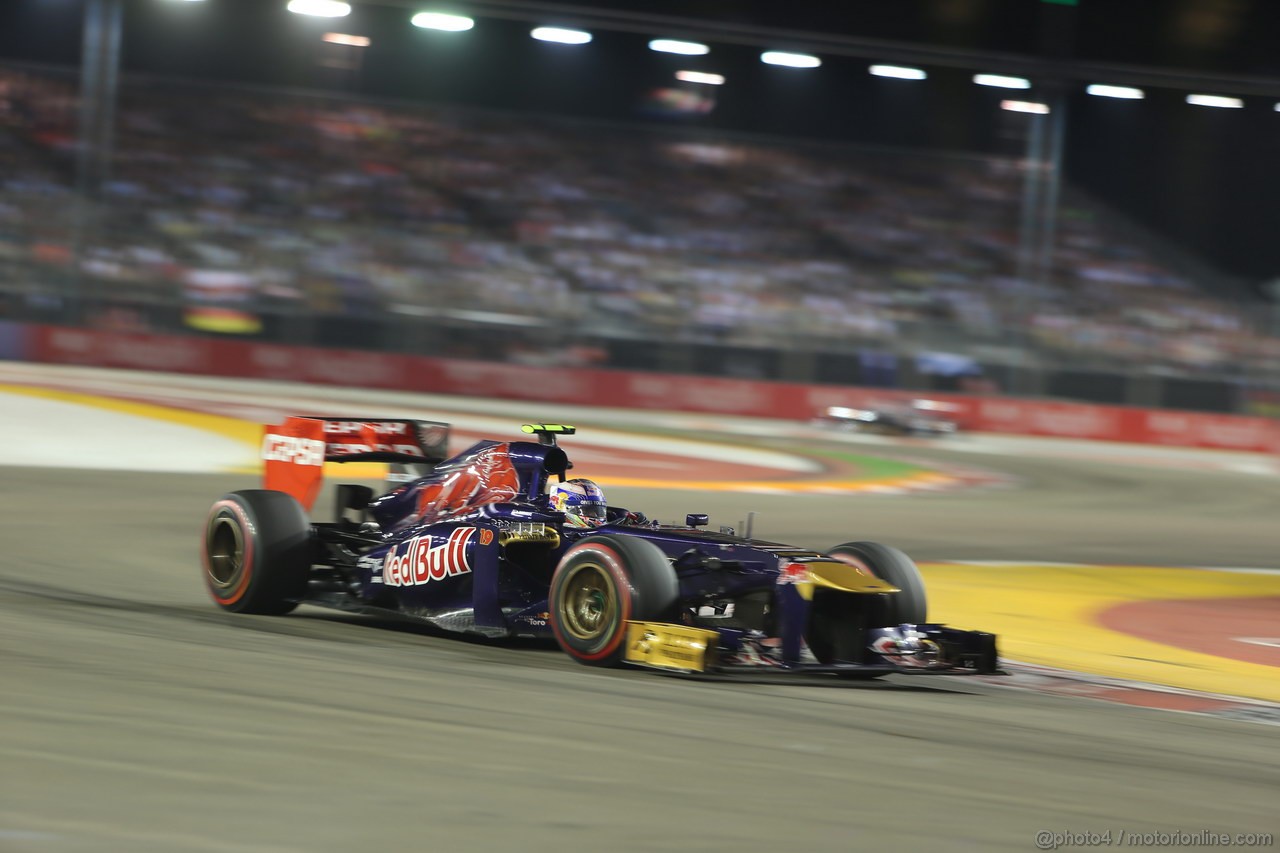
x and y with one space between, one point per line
898 72
703 77
1220 101
1032 107
347 39
1000 81
320 8
789 60
1104 91
442 21
560 35
684 48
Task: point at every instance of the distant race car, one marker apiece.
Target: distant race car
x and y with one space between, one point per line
921 418
474 545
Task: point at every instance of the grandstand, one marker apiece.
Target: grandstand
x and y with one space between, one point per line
387 225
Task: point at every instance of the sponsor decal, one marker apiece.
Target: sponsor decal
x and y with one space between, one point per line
651 386
516 381
793 573
420 562
142 351
71 342
373 566
380 427
912 650
432 435
291 448
369 437
468 372
352 368
1170 423
550 384
727 396
295 454
273 359
1073 421
351 449
1234 433
1002 412
887 648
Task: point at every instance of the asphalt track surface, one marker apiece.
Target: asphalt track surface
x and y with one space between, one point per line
138 717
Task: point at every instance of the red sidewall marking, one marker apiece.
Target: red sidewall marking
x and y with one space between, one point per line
249 547
1211 626
856 562
613 562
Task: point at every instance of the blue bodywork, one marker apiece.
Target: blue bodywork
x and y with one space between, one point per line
442 550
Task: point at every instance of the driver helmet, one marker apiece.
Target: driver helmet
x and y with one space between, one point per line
581 501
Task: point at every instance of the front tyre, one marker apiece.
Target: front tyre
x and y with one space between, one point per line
892 566
601 584
257 552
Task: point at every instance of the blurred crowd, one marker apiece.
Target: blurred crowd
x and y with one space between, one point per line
282 204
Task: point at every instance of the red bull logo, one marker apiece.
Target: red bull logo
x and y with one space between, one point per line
419 562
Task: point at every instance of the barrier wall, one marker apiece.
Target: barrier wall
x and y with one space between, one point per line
628 389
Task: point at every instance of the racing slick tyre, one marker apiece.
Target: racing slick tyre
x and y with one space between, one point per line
257 552
602 583
892 566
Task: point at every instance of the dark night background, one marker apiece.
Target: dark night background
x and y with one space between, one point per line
1208 179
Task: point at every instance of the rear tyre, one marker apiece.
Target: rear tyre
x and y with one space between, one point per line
602 583
892 566
257 552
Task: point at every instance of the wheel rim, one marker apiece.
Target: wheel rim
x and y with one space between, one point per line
589 605
226 552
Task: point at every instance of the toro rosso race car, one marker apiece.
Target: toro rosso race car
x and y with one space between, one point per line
475 544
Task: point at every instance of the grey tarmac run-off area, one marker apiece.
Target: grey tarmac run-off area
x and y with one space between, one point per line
138 717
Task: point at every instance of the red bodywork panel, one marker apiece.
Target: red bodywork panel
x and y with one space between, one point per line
488 477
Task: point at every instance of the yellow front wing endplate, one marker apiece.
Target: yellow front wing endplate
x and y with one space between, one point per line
662 645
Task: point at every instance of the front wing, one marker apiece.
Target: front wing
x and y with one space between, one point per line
913 649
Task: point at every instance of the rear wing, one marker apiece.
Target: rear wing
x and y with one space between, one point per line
295 451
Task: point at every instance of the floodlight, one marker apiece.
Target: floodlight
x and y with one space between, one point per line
347 39
320 8
561 35
790 60
1215 101
700 77
899 72
1000 81
684 48
1104 91
442 21
1025 107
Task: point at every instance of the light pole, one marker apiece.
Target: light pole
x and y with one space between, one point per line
99 75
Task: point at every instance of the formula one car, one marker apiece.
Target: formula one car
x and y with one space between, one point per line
474 545
919 418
